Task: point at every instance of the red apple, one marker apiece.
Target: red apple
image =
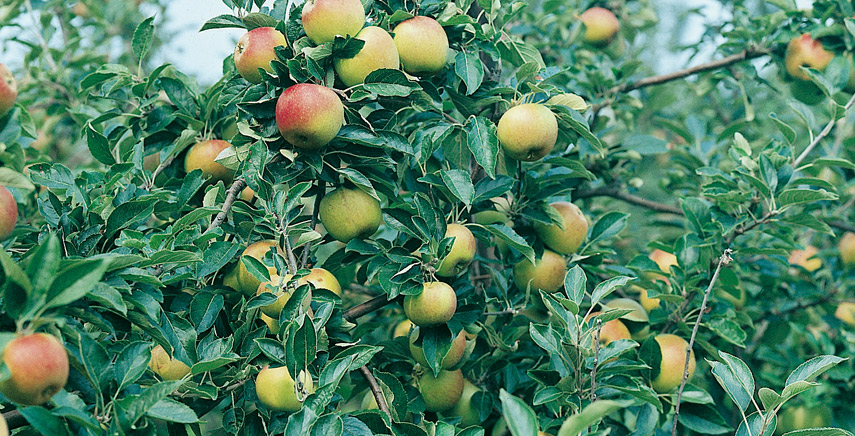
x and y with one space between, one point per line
255 50
8 213
804 51
8 90
38 364
309 116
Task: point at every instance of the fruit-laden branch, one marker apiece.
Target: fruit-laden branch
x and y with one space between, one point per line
365 308
723 260
375 389
614 192
825 131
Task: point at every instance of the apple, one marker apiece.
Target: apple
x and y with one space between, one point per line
569 236
846 247
547 273
469 415
646 302
673 363
803 417
8 90
4 427
321 279
664 260
369 402
422 45
37 367
247 194
528 132
611 330
230 278
309 116
323 20
256 49
805 258
168 368
248 283
80 9
272 323
636 321
277 390
202 155
462 251
279 287
435 305
8 213
350 213
402 328
450 360
379 52
846 312
601 25
441 393
804 51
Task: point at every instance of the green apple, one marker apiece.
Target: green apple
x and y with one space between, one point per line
202 155
278 286
803 417
256 49
402 328
36 367
569 236
350 213
547 273
277 390
528 132
8 213
669 375
469 415
611 330
601 25
450 360
846 247
442 392
309 116
435 305
379 52
422 45
272 323
461 254
846 312
323 20
168 368
8 90
804 51
248 283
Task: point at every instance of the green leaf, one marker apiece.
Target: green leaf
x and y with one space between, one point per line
204 309
389 83
223 22
255 20
735 377
575 284
13 179
519 417
469 68
483 143
99 146
607 287
608 226
819 432
589 416
142 38
460 185
75 282
43 421
769 398
792 197
170 410
813 368
513 239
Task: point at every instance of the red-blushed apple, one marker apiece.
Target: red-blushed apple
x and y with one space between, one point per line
601 25
528 132
547 273
462 251
323 20
673 363
349 213
277 390
379 52
256 49
168 368
8 213
569 236
422 45
8 90
202 155
258 250
38 368
435 305
440 393
804 51
309 116
846 312
806 258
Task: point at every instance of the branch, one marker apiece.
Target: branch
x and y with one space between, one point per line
159 170
825 131
231 196
841 226
14 419
614 192
723 260
596 359
367 307
375 389
322 189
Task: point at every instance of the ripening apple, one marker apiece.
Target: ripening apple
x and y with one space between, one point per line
323 20
4 426
462 251
569 236
321 279
258 250
450 360
804 51
402 328
442 392
278 286
256 49
422 45
8 213
601 25
277 390
611 330
202 155
37 366
8 90
272 323
80 9
646 302
379 52
637 321
803 417
547 273
805 258
528 132
664 260
349 213
168 368
309 116
435 305
846 247
247 194
469 415
846 312
670 371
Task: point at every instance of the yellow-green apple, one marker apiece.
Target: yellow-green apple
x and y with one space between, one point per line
846 247
168 368
349 213
323 20
247 194
450 360
80 9
846 312
664 260
278 286
462 251
547 273
256 49
369 402
646 302
8 90
272 323
202 155
321 279
637 321
277 390
804 51
440 393
805 258
436 304
611 330
601 25
8 213
422 45
528 132
4 426
402 328
803 417
248 282
673 362
379 52
37 366
309 116
569 236
230 278
464 408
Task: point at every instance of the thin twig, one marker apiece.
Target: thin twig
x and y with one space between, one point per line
596 359
317 205
292 260
159 170
365 308
842 226
502 312
825 131
375 389
723 260
614 192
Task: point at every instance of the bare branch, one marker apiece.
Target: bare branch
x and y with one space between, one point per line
367 307
231 196
825 131
14 419
614 192
375 389
596 359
